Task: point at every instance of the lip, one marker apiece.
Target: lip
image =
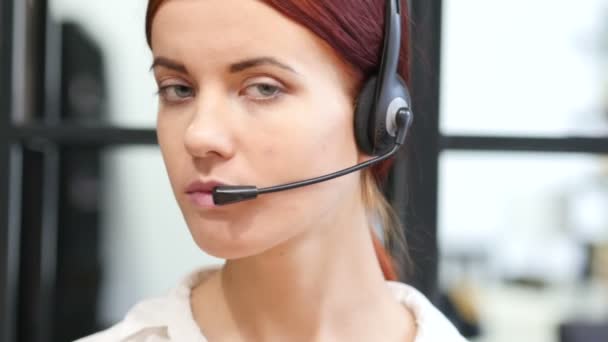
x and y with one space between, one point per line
200 193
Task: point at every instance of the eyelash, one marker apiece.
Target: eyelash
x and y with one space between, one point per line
162 92
279 92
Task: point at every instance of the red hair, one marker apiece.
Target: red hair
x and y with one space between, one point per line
355 30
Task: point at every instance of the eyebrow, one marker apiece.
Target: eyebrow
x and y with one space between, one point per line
169 64
233 68
258 61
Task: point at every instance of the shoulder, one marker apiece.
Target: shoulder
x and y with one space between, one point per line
160 319
431 324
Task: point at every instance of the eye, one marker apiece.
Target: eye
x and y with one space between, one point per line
263 91
175 92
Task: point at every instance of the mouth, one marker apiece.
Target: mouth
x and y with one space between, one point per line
201 193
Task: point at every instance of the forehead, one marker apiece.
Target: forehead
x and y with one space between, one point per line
229 29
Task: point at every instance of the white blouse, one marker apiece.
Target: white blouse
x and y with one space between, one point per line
169 318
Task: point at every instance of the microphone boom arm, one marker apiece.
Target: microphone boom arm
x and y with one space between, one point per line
329 176
236 193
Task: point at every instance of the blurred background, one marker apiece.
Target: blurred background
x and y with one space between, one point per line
503 188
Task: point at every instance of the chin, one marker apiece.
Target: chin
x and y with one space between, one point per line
220 241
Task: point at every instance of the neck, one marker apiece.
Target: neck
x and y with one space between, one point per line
324 285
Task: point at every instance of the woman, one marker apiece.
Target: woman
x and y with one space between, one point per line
264 92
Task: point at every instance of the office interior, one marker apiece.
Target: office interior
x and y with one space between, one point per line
505 204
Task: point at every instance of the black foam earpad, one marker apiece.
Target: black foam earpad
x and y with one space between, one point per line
364 112
371 133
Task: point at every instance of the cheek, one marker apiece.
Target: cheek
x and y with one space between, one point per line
171 147
315 142
316 149
331 141
167 146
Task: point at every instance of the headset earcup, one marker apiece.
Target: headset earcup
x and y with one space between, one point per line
363 117
382 139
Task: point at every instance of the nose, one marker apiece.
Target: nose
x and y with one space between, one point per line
208 133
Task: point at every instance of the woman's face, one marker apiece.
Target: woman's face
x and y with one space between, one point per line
248 97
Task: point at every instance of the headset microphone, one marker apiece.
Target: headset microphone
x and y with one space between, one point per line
383 116
228 194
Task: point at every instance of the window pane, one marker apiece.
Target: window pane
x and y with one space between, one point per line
100 50
122 237
524 239
524 67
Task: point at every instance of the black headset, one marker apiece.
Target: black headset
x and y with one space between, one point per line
383 116
384 95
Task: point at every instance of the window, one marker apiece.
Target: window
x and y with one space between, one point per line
523 187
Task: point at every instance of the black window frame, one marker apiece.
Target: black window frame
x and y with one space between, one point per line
414 192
